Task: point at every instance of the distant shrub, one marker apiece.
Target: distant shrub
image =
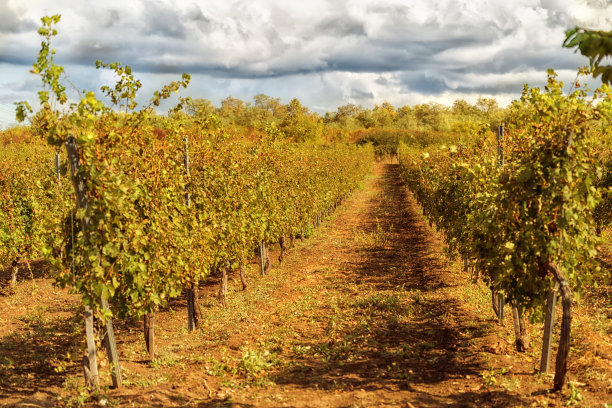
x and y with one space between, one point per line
16 135
386 141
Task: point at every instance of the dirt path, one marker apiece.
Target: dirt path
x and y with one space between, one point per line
367 312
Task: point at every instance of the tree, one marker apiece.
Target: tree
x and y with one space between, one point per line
366 118
488 106
300 124
431 116
345 117
199 107
463 109
384 114
233 110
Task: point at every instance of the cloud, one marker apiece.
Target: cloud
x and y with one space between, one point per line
13 21
340 26
163 20
110 18
361 95
423 83
322 51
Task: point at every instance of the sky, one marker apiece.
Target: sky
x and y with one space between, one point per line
327 53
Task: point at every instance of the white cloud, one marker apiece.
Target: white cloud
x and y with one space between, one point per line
325 52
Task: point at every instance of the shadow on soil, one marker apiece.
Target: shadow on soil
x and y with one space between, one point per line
35 357
398 345
165 398
25 271
600 296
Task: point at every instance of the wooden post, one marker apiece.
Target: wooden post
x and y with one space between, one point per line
566 326
223 288
197 312
91 371
500 145
500 162
266 258
15 270
517 325
90 363
79 183
187 173
502 303
192 322
521 338
243 278
549 322
111 351
283 248
149 334
57 168
190 310
262 249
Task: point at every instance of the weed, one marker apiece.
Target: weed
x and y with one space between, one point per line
339 386
403 351
36 316
231 384
167 360
381 302
300 350
377 238
252 362
490 377
7 362
416 296
262 382
511 384
575 396
76 393
217 368
61 365
144 382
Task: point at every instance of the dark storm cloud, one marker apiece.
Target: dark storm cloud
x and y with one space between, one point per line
497 88
338 50
423 82
382 81
201 21
372 56
340 26
112 18
161 19
361 95
87 52
19 60
189 40
13 22
195 13
386 38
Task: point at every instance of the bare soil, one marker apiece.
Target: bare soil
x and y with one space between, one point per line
368 311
